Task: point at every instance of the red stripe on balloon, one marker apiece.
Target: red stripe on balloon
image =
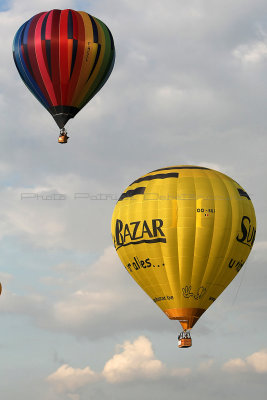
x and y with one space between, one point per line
44 43
55 56
41 60
44 53
78 22
63 51
32 57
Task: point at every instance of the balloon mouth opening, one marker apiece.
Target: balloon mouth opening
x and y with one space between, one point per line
187 317
62 114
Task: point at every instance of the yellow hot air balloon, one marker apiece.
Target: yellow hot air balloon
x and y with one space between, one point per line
183 233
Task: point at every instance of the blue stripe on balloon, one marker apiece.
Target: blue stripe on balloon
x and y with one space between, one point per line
22 67
26 31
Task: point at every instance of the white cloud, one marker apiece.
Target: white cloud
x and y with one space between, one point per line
206 365
256 362
235 365
136 361
252 53
68 379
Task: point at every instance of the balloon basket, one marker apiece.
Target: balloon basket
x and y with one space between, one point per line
63 137
184 340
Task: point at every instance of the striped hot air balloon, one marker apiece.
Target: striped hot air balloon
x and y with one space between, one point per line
64 57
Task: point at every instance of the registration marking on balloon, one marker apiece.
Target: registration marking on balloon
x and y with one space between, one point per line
209 210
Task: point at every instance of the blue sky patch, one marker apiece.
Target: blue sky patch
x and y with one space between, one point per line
5 5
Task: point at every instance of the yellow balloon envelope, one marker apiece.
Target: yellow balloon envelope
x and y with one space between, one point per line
183 233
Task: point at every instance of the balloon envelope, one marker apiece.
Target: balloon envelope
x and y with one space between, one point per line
183 233
64 57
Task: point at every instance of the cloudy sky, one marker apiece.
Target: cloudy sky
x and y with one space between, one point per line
189 87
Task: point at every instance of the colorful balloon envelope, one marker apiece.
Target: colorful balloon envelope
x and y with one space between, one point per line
64 57
183 233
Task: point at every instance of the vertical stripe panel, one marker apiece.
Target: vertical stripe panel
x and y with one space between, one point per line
23 69
48 31
41 61
79 56
32 57
103 66
55 56
90 50
75 25
64 62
